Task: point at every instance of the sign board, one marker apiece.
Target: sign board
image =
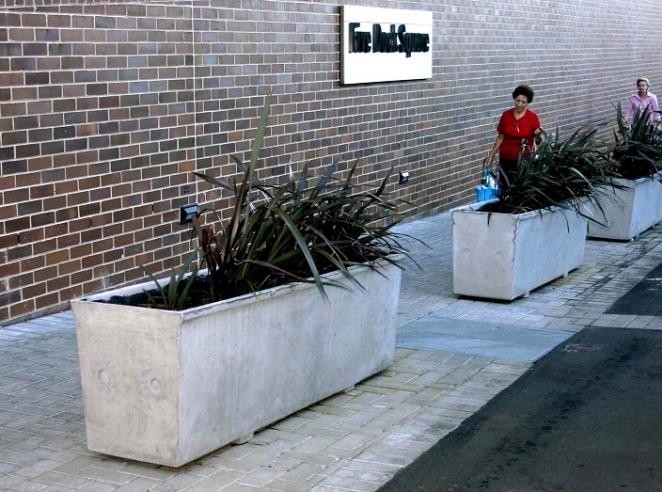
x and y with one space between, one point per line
383 45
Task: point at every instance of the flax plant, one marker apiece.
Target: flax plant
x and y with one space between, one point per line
295 231
638 147
561 172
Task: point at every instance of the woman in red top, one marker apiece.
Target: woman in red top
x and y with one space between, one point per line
517 129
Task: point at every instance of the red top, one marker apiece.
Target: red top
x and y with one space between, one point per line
514 131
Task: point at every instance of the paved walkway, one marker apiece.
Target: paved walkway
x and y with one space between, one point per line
353 441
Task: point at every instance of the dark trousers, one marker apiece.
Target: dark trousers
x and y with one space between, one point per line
507 172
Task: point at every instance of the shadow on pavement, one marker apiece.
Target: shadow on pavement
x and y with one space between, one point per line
644 299
586 417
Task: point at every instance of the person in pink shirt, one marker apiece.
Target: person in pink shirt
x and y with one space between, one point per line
641 100
516 130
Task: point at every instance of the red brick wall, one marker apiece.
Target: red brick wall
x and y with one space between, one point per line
105 110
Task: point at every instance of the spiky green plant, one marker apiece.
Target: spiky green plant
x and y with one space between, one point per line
560 172
296 231
638 148
174 294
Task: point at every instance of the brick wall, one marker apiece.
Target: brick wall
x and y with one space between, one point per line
106 108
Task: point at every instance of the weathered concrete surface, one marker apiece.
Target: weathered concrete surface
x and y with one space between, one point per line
505 256
168 387
629 212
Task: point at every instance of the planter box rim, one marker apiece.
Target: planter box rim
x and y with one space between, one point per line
468 209
652 177
196 311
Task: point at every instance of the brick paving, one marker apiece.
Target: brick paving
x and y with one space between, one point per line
353 441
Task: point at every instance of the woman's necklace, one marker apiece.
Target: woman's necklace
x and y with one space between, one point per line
517 120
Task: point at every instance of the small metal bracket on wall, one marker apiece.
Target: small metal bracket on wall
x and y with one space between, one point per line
187 212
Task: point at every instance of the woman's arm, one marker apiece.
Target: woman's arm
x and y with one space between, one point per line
655 116
495 148
630 110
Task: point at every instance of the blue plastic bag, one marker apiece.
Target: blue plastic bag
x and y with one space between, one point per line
484 194
489 186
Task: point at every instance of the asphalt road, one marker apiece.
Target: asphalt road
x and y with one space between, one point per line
586 417
644 299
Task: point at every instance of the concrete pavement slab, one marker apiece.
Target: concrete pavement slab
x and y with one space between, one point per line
499 341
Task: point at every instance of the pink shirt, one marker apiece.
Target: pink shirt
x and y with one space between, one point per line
637 103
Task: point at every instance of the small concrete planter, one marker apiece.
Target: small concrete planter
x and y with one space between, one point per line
505 256
630 211
168 387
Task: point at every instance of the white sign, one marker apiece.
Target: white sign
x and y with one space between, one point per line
382 45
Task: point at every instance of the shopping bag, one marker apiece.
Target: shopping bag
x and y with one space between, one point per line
484 194
489 186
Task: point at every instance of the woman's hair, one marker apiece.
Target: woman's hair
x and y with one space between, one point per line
523 90
643 79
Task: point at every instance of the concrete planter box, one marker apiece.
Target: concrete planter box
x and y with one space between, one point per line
168 387
630 211
505 256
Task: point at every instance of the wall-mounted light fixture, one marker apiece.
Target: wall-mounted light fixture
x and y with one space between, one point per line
187 212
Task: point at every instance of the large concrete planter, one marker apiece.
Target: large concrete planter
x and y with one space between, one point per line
629 212
505 256
168 387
